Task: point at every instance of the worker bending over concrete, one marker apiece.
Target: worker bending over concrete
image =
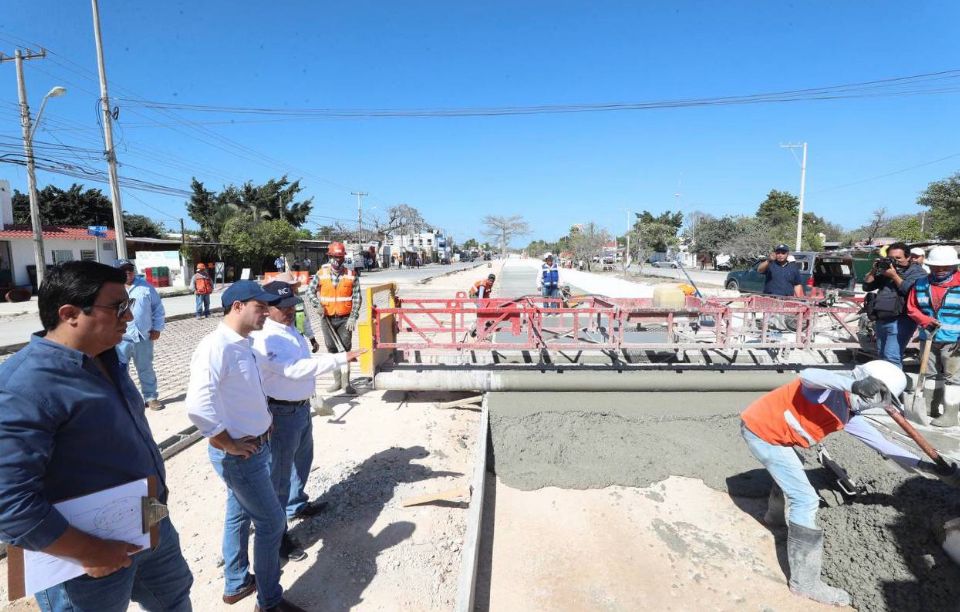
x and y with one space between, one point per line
802 413
482 288
934 303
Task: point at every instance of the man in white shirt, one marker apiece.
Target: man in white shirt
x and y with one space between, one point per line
225 400
289 376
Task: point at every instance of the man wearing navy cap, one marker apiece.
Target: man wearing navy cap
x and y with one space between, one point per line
225 400
289 376
782 276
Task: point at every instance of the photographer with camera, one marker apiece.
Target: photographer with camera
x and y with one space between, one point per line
891 279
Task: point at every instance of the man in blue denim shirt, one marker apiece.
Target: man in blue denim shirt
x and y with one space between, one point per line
61 398
148 321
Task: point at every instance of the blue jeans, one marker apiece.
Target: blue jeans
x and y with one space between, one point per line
203 304
892 338
291 448
157 579
787 471
142 355
250 496
546 291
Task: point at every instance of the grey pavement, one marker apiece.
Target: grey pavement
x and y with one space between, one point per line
714 278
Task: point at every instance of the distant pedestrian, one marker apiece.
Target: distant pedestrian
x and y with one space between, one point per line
548 281
71 424
280 263
296 265
148 321
202 287
306 264
782 277
226 402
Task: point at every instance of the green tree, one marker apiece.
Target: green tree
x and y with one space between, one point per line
778 205
943 199
140 226
470 244
79 207
255 241
905 228
658 232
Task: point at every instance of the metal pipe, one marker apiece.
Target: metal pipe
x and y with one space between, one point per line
574 380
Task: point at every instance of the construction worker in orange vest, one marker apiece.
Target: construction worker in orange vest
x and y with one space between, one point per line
335 290
202 287
802 413
482 288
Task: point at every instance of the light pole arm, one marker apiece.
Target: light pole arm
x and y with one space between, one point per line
36 122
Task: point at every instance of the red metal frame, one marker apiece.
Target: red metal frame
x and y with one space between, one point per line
546 323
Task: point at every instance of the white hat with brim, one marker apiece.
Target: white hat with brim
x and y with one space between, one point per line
942 256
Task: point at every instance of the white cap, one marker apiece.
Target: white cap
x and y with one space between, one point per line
548 255
918 251
943 256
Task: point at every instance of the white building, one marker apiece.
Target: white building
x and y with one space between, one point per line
60 244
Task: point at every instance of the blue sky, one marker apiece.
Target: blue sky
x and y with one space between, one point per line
554 170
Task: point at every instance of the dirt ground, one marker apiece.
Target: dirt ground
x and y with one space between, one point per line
675 545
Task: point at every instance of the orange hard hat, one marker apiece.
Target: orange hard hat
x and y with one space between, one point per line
336 249
201 266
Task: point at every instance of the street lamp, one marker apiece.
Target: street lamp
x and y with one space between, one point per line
28 133
803 184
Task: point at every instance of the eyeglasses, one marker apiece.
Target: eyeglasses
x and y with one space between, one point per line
121 308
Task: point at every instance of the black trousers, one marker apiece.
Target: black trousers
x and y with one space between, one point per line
339 325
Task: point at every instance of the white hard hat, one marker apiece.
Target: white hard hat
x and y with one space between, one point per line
548 255
942 256
918 251
887 373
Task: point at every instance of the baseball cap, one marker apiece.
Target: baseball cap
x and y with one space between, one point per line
781 248
245 290
918 251
284 291
123 263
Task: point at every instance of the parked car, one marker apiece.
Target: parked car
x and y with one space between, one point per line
824 270
665 263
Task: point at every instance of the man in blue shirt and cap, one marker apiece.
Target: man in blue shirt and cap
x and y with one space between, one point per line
142 331
782 276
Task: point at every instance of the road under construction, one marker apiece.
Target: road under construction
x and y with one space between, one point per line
609 471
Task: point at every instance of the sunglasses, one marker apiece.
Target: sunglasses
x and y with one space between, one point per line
121 308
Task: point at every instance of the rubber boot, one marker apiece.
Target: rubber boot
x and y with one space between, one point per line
949 418
805 556
336 382
775 508
928 398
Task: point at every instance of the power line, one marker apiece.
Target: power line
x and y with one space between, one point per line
946 81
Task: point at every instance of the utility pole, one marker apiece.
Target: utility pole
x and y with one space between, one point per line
18 60
109 152
803 184
626 255
359 195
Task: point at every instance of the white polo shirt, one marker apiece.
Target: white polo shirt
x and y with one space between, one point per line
287 369
225 392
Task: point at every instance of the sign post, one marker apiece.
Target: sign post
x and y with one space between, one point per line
98 232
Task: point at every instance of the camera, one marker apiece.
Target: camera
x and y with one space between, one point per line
883 263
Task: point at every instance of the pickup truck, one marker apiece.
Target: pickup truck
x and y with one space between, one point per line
824 270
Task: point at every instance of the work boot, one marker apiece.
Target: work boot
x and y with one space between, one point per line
348 388
949 418
775 508
805 556
283 606
336 382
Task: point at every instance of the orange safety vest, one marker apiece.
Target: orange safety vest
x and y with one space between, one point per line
784 417
337 301
486 284
202 284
